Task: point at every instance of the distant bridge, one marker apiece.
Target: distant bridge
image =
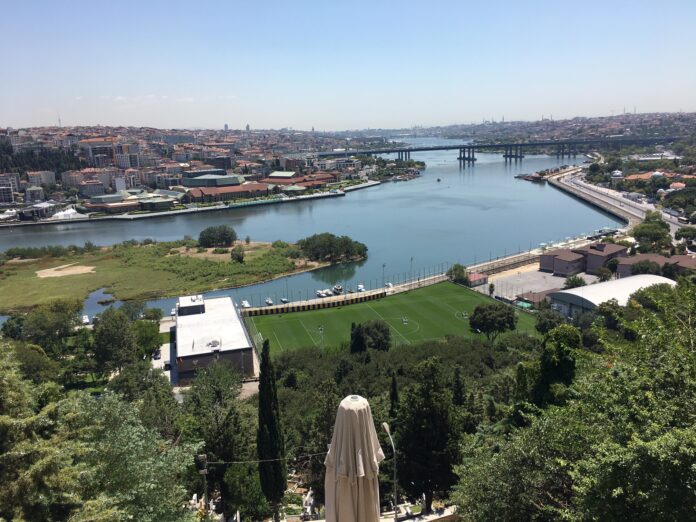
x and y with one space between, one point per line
511 150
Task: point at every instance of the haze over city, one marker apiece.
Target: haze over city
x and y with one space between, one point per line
341 66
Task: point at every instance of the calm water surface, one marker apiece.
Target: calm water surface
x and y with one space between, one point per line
472 214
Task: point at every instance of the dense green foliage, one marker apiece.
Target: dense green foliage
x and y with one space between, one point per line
49 251
493 319
593 421
458 274
618 444
684 199
83 458
47 159
217 236
328 247
424 429
574 281
269 438
370 334
653 234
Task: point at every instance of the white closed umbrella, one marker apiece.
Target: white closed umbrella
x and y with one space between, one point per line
352 465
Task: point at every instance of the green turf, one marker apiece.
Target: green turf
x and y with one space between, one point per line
431 313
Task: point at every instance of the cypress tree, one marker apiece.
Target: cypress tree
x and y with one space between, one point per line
269 439
393 398
457 387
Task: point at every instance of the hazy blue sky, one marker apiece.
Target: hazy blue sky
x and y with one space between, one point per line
341 64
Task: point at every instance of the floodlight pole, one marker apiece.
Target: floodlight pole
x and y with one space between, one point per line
396 502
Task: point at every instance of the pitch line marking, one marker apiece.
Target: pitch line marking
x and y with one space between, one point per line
310 335
390 326
279 343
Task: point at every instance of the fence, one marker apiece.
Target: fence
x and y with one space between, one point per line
315 304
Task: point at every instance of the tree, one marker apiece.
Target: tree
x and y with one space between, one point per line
613 265
245 493
521 384
686 233
574 281
217 236
51 324
653 234
269 439
492 319
393 397
215 417
491 289
147 337
237 254
133 309
645 266
458 391
35 364
377 334
458 274
358 339
114 341
557 363
604 274
425 436
547 320
84 458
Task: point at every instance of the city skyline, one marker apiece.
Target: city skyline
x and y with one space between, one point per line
168 65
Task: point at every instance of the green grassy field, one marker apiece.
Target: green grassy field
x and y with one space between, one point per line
420 315
138 272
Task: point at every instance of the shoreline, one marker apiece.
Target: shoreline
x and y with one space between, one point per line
557 181
213 208
113 298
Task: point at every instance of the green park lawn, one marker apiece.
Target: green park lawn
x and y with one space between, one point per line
138 272
420 315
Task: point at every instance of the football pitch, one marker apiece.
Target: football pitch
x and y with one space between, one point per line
415 316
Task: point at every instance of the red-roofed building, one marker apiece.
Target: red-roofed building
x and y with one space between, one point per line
213 194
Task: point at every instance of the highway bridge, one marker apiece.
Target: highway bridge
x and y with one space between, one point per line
511 150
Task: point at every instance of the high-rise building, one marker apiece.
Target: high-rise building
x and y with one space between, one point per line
6 195
10 179
42 177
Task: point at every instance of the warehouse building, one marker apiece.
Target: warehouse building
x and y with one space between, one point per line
209 330
586 298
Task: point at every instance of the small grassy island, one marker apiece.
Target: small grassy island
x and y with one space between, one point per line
150 269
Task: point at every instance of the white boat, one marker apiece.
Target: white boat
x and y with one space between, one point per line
284 300
85 320
269 301
337 289
361 287
245 304
320 293
173 312
327 292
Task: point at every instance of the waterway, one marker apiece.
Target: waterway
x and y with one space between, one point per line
411 228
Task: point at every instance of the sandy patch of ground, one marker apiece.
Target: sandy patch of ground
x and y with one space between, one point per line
65 270
520 269
18 261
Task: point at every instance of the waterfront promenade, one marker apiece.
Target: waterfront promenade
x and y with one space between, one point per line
573 182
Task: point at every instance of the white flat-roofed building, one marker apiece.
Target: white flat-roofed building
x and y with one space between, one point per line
585 298
208 330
